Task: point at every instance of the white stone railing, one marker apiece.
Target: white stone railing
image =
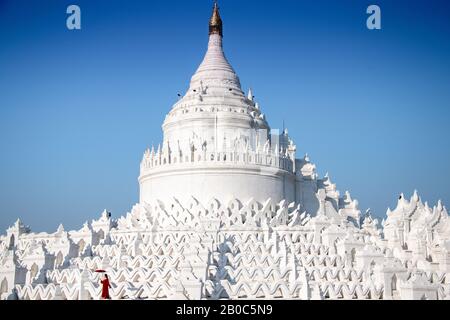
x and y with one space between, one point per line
217 158
130 274
186 108
254 290
93 291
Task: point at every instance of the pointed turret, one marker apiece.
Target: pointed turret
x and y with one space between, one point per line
439 205
250 94
415 196
60 228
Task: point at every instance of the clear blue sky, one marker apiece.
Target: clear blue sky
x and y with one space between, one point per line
78 108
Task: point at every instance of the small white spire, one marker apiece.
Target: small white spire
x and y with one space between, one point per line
439 205
60 228
250 94
415 196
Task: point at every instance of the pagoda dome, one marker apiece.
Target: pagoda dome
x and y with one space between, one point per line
216 142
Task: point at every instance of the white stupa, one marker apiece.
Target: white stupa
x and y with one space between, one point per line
227 211
217 143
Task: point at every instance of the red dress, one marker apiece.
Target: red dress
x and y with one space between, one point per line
105 289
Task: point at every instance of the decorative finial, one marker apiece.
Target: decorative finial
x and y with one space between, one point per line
250 94
60 228
215 23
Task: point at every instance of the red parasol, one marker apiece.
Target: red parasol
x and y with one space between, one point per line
100 271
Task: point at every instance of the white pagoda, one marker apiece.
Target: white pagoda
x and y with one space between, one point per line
227 211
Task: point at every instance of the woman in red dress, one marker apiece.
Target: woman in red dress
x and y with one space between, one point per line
105 287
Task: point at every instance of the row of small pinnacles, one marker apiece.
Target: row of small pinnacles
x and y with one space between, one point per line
251 250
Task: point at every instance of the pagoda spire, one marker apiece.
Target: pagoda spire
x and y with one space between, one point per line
215 23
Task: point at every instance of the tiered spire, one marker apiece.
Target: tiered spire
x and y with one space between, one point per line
215 23
215 70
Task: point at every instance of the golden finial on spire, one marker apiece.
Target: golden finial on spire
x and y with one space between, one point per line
215 23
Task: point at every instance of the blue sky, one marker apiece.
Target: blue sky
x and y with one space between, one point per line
78 108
